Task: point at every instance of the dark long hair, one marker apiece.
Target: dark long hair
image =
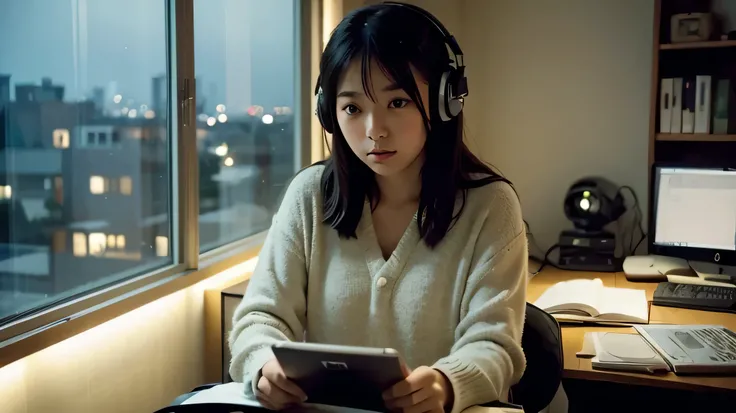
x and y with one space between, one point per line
397 38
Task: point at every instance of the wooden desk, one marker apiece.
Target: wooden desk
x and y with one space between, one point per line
572 336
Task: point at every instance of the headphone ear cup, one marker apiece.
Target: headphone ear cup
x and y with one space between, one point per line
449 106
454 104
323 115
455 107
444 97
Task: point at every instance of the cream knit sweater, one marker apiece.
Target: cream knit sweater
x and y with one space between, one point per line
459 307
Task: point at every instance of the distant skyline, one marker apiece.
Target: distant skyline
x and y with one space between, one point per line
244 49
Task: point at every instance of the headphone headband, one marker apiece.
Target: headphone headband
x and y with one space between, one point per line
453 85
449 38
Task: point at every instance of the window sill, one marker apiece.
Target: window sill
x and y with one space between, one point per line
28 336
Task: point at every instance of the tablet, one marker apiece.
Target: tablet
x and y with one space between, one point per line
339 375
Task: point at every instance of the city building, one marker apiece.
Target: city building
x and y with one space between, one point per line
4 89
84 186
46 92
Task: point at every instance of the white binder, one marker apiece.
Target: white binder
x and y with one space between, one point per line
688 106
665 106
676 125
702 104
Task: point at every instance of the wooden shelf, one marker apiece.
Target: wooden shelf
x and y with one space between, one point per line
698 45
695 137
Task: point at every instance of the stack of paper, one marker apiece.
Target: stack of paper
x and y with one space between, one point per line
619 351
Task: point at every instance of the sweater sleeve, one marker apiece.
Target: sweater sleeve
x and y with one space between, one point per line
274 306
486 358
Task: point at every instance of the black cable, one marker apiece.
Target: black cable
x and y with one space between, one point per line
639 243
530 236
627 250
631 234
620 229
545 261
638 217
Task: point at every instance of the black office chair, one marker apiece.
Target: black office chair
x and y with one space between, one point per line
542 344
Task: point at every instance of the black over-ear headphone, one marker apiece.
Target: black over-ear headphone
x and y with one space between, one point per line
453 86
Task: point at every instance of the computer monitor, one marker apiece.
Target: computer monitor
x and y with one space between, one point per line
693 215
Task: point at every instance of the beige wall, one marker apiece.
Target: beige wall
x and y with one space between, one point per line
138 362
559 90
448 11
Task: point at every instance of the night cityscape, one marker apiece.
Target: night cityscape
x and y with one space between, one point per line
85 185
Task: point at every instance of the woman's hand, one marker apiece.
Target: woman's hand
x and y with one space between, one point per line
424 390
275 391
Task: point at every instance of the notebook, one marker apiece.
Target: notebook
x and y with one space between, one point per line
590 301
621 351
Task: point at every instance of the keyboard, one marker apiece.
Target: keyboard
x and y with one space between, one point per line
696 297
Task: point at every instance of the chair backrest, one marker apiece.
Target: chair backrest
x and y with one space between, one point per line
542 344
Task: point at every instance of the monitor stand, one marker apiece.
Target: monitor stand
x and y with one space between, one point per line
655 268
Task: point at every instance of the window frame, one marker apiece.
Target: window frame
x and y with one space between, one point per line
44 328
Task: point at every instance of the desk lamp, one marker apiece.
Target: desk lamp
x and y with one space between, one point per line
591 204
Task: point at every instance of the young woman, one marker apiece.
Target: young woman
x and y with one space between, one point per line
401 239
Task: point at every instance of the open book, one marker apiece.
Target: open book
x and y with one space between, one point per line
589 301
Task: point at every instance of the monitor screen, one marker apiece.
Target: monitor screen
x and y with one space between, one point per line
695 208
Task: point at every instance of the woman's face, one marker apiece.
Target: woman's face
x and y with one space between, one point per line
387 134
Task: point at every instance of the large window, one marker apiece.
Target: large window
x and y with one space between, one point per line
112 114
84 148
245 59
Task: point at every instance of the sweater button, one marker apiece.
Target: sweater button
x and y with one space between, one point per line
381 282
